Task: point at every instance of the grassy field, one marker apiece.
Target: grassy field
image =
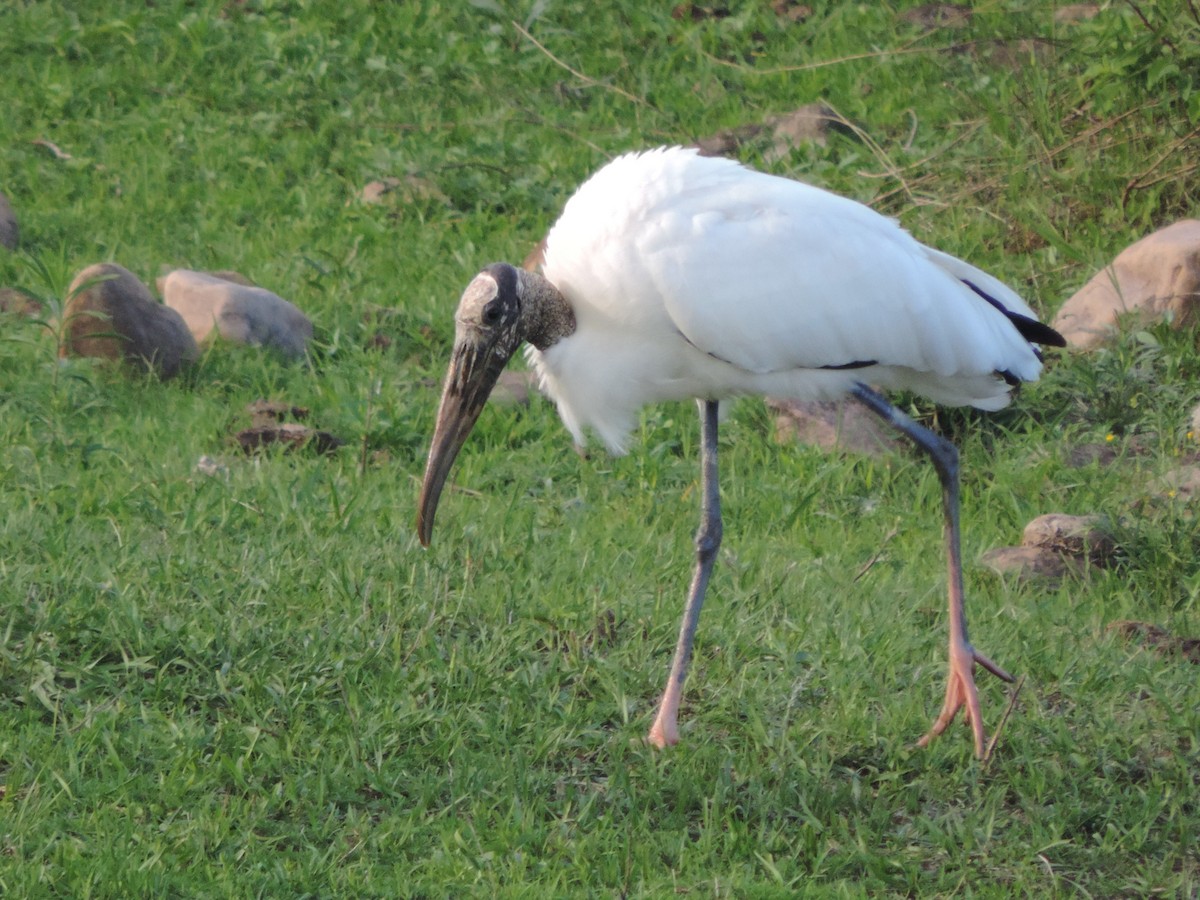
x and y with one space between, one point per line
256 683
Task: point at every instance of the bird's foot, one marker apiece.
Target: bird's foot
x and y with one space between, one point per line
664 732
961 692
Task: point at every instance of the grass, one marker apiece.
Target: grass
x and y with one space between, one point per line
257 684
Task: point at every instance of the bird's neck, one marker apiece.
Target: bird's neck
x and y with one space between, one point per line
546 315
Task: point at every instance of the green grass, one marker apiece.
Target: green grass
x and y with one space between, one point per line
257 683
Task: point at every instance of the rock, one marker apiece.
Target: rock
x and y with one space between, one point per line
10 234
1182 482
241 314
264 411
223 274
406 190
267 426
1105 454
1084 537
830 425
811 122
291 434
1031 563
513 388
110 314
696 12
1076 12
213 468
791 10
16 301
1158 275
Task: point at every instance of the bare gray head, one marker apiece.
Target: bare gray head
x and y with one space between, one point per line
502 307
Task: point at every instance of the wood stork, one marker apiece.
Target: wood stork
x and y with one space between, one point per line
670 275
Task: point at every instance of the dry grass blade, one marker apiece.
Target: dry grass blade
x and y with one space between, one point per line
1012 702
586 79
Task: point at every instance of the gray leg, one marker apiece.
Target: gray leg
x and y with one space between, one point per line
665 729
960 690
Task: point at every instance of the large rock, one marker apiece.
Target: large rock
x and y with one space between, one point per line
239 313
110 314
10 235
1158 275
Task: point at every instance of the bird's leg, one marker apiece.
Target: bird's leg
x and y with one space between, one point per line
960 689
665 729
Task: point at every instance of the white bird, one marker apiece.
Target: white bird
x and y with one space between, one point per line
670 276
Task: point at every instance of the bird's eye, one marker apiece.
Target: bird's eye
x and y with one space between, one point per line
491 313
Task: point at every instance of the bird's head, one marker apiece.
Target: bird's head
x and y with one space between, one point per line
501 308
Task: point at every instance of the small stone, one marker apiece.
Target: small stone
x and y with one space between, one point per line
809 123
1077 12
241 314
1157 276
1030 563
513 388
10 234
291 435
791 10
831 425
406 190
15 301
1084 537
1105 454
263 411
110 314
206 465
1182 482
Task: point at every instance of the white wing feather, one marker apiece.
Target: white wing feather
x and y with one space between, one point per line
769 276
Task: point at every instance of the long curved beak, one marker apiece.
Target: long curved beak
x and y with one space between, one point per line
469 380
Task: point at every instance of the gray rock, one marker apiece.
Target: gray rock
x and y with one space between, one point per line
10 234
110 314
241 314
1158 275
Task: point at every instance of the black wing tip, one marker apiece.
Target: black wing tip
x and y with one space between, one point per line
1029 328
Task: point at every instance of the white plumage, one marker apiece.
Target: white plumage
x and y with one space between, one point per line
693 276
670 275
